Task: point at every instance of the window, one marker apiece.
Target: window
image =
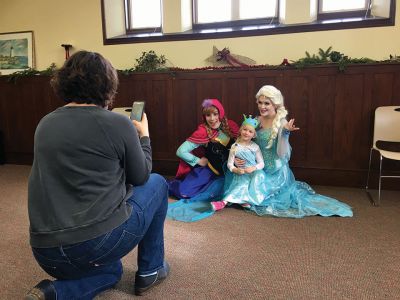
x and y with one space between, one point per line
143 16
339 9
142 21
327 6
223 13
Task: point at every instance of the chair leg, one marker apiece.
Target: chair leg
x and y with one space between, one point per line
369 168
373 202
380 181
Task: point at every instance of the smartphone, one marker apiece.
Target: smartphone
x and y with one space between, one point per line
137 110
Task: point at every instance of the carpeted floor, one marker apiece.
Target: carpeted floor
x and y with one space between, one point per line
237 255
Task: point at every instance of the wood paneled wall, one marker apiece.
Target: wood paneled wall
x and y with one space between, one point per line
335 111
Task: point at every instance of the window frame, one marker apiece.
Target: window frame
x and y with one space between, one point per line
128 26
233 23
318 25
345 14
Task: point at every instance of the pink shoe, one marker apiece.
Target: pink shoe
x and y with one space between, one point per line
218 205
245 205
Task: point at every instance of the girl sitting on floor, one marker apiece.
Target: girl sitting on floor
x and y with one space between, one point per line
247 185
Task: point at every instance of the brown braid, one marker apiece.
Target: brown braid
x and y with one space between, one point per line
225 127
209 131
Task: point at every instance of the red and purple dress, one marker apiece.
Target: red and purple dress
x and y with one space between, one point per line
192 179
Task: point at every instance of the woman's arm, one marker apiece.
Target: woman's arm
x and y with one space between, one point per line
231 159
283 146
238 162
231 162
184 153
259 159
137 161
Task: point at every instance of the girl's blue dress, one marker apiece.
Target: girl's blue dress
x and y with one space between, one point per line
284 196
245 188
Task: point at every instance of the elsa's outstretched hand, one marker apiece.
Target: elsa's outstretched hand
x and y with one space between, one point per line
290 125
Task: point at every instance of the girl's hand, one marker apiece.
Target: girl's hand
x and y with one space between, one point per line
250 170
238 171
290 126
142 126
239 162
203 162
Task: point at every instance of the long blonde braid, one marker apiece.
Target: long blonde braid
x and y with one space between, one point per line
281 113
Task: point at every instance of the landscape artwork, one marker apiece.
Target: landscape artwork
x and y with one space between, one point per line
16 52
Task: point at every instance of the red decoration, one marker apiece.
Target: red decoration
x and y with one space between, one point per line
220 68
285 62
225 55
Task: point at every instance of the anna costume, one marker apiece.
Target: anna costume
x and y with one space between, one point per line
191 179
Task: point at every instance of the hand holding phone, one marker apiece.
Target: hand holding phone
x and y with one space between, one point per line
137 110
142 126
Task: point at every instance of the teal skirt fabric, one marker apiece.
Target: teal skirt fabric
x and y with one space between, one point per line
198 207
283 196
186 211
287 197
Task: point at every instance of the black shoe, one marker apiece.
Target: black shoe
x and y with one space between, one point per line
44 290
143 284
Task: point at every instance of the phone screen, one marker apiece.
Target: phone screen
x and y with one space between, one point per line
137 110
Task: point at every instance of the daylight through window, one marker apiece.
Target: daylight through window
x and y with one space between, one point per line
212 11
143 14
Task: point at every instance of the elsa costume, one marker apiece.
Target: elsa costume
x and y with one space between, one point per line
283 195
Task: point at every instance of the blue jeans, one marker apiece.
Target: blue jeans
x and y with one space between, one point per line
85 269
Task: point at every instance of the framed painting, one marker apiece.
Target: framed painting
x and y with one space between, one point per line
16 52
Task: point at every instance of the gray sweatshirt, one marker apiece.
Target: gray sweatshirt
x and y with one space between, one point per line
86 160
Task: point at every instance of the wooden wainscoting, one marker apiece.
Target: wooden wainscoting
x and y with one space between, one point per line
334 110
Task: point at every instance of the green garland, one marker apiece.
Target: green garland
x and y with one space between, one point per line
148 62
151 62
30 72
329 56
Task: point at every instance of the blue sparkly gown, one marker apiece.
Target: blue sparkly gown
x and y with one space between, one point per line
245 188
284 196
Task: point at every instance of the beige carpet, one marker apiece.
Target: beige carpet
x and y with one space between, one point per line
237 255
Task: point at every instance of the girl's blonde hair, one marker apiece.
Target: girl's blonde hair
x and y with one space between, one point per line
240 131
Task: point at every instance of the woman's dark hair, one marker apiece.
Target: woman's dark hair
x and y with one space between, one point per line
86 77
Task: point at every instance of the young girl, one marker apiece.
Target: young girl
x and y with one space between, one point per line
245 184
204 153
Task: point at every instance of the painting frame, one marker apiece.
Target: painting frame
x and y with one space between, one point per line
17 52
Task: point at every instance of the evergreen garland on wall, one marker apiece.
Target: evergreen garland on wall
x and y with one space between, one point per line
151 62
